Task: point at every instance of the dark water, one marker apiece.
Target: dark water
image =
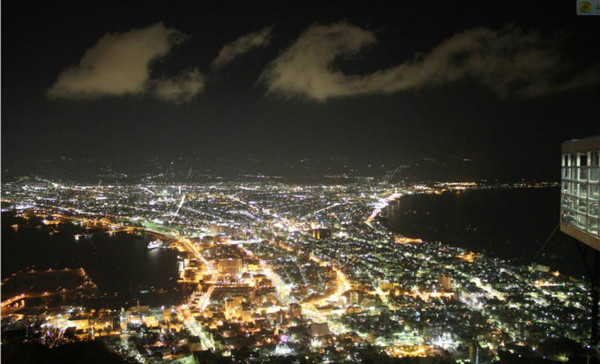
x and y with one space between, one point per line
507 223
120 265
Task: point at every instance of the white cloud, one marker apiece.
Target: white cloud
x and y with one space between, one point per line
242 45
119 64
181 88
507 61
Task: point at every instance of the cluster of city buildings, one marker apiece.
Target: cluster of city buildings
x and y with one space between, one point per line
303 271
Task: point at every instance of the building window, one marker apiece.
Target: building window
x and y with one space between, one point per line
580 186
595 166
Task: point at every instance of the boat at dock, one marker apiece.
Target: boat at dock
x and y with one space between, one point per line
154 244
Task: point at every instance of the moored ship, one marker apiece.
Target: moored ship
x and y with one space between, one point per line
157 244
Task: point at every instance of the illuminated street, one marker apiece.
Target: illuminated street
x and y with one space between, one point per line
274 266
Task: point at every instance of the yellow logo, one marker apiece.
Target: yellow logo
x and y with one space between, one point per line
585 6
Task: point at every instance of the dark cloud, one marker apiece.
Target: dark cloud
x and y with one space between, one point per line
242 45
181 88
508 61
119 64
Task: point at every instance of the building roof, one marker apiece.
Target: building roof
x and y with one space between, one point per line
581 145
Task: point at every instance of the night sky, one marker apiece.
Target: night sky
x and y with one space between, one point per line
505 82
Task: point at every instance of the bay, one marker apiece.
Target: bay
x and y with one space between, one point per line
511 224
120 264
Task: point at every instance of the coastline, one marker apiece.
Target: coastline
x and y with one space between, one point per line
107 255
424 215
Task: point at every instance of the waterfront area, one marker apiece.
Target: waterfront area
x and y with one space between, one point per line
516 224
119 263
306 272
